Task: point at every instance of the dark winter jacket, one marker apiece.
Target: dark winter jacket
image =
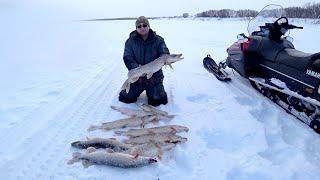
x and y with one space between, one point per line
140 52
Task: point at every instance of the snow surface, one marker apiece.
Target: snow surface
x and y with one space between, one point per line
60 75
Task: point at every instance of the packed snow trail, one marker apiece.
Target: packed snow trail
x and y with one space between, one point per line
42 146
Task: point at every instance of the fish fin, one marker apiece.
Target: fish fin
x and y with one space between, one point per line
143 123
87 138
149 75
90 150
171 139
158 146
134 79
114 107
109 150
169 117
120 132
132 136
86 163
173 130
155 119
93 127
170 66
151 132
136 156
105 126
156 110
159 156
145 108
126 141
75 158
153 110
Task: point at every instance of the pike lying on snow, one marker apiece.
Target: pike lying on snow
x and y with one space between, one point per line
108 157
137 118
169 129
150 109
146 110
130 112
150 149
150 68
110 143
167 138
123 123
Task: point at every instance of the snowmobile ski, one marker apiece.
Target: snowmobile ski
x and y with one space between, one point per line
213 68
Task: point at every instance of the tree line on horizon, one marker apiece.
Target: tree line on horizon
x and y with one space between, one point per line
310 10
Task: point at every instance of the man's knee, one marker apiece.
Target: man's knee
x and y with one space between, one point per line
156 100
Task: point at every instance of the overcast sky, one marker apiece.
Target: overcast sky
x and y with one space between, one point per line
125 8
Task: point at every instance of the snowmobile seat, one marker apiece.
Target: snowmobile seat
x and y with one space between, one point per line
294 58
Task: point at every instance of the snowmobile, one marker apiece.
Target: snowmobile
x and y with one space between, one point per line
269 60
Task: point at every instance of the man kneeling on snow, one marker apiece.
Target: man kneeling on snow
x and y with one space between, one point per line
142 47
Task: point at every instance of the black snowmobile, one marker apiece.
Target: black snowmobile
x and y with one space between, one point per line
268 59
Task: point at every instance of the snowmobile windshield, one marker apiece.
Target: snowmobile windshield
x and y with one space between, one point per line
268 14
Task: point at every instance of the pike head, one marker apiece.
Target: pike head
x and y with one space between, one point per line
172 58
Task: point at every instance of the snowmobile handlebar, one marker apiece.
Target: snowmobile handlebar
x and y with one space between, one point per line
295 27
276 29
290 26
283 22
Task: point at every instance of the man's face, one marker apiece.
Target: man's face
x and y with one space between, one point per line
143 29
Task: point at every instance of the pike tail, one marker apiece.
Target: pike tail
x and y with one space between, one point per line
75 158
160 151
126 86
93 127
169 117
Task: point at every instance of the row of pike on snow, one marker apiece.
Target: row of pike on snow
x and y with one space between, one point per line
142 147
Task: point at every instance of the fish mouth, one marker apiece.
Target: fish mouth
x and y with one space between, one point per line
77 144
177 56
174 58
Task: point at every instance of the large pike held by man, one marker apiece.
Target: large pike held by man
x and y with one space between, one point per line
150 68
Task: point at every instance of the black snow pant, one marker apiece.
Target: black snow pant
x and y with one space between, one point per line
154 89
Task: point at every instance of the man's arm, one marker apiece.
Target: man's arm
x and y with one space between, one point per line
128 56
